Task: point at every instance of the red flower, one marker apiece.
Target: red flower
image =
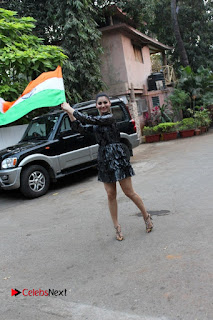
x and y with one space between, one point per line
146 114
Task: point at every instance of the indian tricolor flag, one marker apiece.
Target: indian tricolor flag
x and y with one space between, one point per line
45 91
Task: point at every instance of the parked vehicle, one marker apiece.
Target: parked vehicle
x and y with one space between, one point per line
50 149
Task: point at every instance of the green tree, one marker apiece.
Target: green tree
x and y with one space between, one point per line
179 100
194 19
71 25
37 9
180 45
80 38
140 11
22 55
198 85
195 27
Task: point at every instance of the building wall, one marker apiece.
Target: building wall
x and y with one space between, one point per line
113 68
119 66
124 74
137 71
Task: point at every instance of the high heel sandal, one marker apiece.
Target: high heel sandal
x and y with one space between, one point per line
119 235
148 223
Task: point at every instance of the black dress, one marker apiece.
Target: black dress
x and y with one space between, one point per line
113 164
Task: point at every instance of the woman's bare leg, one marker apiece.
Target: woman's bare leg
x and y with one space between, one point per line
112 201
113 207
126 186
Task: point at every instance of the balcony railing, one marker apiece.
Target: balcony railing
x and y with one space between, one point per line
169 74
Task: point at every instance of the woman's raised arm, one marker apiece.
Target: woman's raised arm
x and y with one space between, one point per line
69 110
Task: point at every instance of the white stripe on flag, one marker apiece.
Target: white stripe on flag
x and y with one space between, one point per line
52 83
1 105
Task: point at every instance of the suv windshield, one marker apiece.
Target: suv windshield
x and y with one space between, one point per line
40 128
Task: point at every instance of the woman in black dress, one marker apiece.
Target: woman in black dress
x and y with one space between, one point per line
113 164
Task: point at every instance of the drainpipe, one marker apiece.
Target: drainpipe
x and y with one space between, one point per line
134 112
132 93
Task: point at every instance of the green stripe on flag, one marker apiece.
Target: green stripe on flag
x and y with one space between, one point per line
44 98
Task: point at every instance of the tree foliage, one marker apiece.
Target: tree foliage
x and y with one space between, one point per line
196 29
80 38
22 55
33 8
71 25
195 24
194 90
198 85
180 44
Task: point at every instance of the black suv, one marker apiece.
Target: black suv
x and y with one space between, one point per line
50 149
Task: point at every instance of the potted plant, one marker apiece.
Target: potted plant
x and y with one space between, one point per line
187 127
206 119
168 130
198 123
151 134
202 119
197 130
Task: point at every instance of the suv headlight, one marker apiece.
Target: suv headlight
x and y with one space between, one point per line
9 163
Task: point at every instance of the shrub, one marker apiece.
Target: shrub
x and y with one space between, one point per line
167 127
202 118
148 131
187 124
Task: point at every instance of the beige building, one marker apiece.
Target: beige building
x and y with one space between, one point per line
126 63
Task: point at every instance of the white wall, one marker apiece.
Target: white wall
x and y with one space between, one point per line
11 135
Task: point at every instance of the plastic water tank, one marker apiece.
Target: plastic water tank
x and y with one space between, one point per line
156 81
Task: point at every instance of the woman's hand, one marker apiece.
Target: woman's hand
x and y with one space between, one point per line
67 108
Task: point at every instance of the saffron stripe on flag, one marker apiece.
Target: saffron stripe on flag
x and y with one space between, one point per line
57 73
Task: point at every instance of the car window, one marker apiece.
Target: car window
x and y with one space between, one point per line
37 129
65 127
40 128
118 113
65 124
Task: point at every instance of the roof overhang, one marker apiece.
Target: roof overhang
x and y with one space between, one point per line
137 37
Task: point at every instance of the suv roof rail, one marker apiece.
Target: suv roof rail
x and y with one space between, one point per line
86 103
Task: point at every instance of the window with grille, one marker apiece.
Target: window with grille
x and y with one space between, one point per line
155 101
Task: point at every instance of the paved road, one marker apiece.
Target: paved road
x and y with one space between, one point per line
65 240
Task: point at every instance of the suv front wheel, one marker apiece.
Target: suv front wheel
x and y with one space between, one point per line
35 181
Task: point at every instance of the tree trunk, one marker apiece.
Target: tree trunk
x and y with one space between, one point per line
181 49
